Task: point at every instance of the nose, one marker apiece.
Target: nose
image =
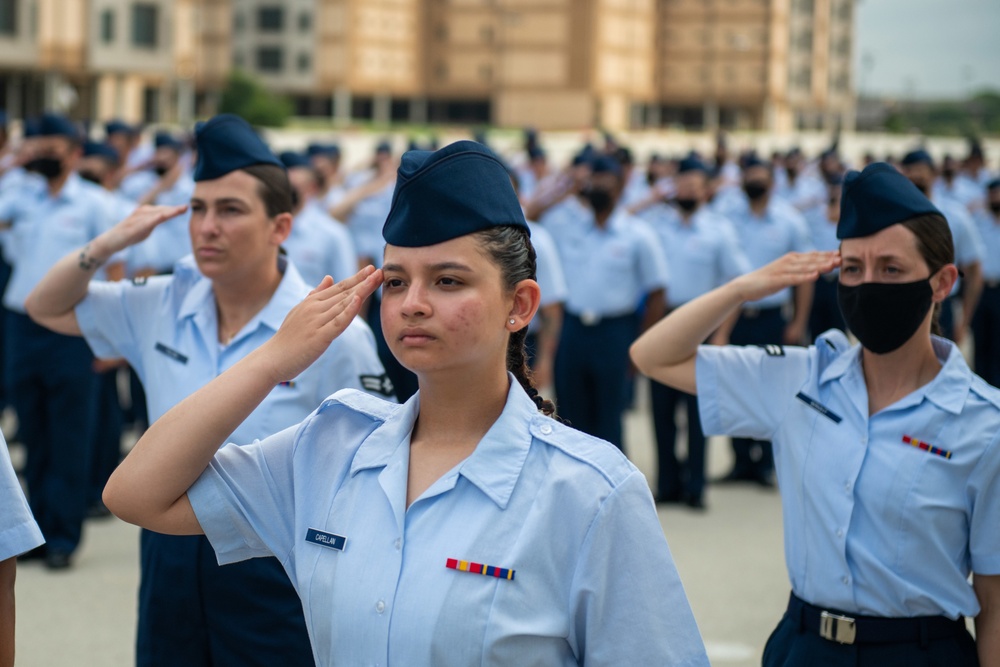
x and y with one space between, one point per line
415 303
204 223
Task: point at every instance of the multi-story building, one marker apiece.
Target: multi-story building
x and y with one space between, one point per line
777 64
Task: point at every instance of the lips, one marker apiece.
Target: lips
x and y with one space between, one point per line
208 252
414 336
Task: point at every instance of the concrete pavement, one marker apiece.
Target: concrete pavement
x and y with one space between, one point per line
730 559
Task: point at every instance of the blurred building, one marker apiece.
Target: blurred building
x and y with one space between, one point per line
735 64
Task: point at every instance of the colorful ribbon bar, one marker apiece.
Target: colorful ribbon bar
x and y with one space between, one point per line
926 446
287 383
479 568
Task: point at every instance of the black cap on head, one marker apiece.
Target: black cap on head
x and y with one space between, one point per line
691 163
54 125
919 156
95 149
605 164
291 159
460 189
879 197
164 139
994 184
226 143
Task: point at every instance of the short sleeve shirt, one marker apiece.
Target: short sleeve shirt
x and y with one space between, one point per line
18 531
541 548
885 515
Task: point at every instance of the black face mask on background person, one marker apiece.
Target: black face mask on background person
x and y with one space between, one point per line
755 189
688 205
160 170
600 199
948 173
883 316
995 207
90 176
48 167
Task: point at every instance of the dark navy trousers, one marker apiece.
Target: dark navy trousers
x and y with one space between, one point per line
51 384
986 330
677 478
196 613
761 327
591 369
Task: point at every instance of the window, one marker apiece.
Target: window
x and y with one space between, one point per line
305 22
8 17
304 62
239 61
486 33
441 71
270 59
151 105
144 25
486 73
805 41
270 19
108 26
239 22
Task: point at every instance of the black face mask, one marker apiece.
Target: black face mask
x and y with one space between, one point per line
90 176
687 205
600 199
995 207
792 173
884 315
48 167
948 173
755 189
160 169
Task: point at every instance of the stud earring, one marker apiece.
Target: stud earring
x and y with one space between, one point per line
512 320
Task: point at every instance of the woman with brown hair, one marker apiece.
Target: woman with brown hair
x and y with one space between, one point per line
887 453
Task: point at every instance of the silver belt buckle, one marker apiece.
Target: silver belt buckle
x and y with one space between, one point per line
840 629
589 318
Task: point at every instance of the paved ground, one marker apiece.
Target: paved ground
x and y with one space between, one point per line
729 557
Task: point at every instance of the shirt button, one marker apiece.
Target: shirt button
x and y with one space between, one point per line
546 429
398 543
846 580
380 606
847 486
840 532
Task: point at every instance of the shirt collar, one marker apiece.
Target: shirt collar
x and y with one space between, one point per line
948 390
493 467
69 190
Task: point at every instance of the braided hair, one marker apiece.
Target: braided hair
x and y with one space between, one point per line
510 249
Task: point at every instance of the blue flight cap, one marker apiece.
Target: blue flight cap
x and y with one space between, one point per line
96 149
460 189
994 184
691 163
164 139
226 143
753 160
4 118
117 126
536 153
605 164
919 156
329 150
291 160
32 127
879 197
54 125
383 147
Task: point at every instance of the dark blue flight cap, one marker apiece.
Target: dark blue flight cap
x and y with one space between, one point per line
164 139
115 126
226 143
460 189
383 147
536 153
994 184
330 150
4 118
691 163
919 156
879 197
95 149
605 164
32 127
54 125
753 160
291 160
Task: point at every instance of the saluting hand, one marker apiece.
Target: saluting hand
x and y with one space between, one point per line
139 224
313 324
794 268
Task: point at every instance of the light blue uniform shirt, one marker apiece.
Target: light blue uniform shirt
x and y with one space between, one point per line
805 193
548 271
18 531
702 253
318 245
873 524
368 218
968 245
608 270
988 227
166 328
593 582
46 229
766 238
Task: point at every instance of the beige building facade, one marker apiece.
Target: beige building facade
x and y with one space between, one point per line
617 64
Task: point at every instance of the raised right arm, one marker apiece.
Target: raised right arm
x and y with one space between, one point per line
52 302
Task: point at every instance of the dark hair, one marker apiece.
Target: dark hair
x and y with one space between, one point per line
936 246
511 250
274 189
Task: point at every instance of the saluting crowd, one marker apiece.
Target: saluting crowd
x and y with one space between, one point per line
177 288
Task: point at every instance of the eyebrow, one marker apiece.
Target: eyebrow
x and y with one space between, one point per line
441 266
220 202
858 258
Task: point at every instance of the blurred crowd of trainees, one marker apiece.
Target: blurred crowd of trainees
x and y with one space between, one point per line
619 246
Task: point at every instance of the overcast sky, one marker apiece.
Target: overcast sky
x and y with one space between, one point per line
927 48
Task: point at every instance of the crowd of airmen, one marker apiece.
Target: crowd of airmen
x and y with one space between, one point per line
619 245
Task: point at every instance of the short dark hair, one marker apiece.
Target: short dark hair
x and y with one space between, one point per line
274 189
936 245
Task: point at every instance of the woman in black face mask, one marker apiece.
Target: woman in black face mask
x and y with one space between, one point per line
887 453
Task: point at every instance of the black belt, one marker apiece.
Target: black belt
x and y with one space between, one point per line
753 313
847 628
592 319
991 284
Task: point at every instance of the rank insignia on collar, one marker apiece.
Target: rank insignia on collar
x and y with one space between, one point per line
380 384
479 568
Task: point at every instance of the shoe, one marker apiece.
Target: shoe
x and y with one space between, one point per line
38 553
668 498
57 560
695 503
98 511
766 480
734 477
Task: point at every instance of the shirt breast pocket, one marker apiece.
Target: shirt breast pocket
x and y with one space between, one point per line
70 229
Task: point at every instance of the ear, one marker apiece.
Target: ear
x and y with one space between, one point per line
943 282
526 299
282 228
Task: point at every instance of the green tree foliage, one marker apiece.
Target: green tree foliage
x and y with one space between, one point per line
977 116
245 96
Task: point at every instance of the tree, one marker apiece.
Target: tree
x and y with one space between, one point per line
244 96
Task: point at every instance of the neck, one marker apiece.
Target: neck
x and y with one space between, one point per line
238 300
758 206
603 217
56 184
451 415
890 377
